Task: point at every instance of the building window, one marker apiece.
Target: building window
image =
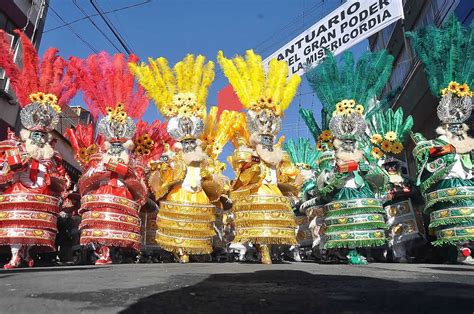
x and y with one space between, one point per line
401 69
6 23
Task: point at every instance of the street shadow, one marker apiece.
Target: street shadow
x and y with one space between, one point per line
300 292
50 269
471 269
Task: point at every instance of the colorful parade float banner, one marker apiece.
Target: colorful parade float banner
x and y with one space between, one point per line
344 27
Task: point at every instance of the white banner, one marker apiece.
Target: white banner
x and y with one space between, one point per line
344 27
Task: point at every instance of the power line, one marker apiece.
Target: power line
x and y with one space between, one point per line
292 22
278 33
95 25
124 45
97 14
72 30
115 28
120 25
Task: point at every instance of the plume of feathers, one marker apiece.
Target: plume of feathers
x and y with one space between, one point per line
218 131
191 75
391 121
446 53
310 122
50 76
106 81
83 136
362 81
383 104
157 131
247 77
240 131
302 152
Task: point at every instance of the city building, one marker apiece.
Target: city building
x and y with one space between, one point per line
30 15
18 14
408 76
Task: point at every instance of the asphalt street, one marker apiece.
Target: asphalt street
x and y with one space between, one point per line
239 288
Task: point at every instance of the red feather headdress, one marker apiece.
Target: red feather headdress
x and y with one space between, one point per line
83 142
106 82
109 91
50 76
150 140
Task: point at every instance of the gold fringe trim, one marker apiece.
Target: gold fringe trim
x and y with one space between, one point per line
266 232
264 215
188 250
185 226
208 233
261 206
266 240
208 220
185 217
265 224
243 193
265 199
191 246
91 201
187 209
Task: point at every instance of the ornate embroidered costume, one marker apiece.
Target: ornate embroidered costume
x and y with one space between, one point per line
303 156
186 180
354 214
32 178
264 177
389 131
312 203
445 164
112 185
150 140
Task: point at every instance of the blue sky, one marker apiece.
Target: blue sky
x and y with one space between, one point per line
174 28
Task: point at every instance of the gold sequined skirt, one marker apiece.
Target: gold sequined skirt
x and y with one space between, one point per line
186 221
263 217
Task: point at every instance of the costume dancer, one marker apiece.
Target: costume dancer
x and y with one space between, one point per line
354 215
32 178
187 180
262 213
112 185
151 140
303 156
313 204
389 131
445 163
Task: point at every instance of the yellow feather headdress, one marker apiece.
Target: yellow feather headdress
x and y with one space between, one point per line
218 131
181 91
256 90
240 131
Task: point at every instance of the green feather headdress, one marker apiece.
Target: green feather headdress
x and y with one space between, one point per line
310 122
389 130
322 136
345 90
302 153
446 54
360 82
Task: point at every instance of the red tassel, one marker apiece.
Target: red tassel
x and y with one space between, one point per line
34 170
71 136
